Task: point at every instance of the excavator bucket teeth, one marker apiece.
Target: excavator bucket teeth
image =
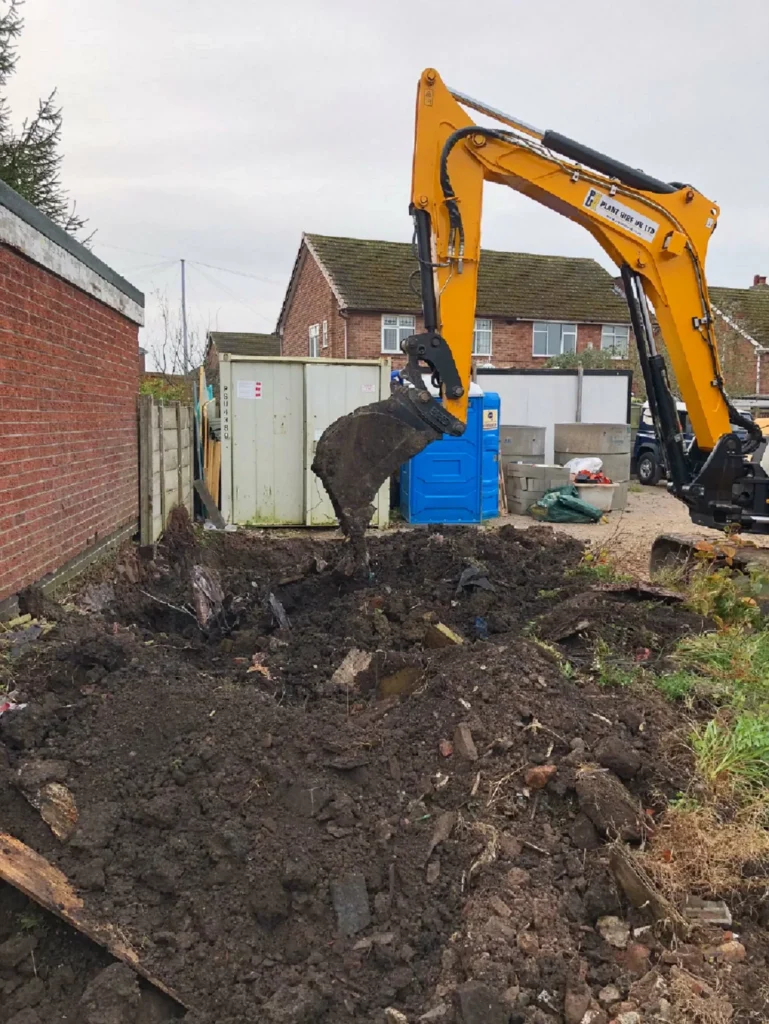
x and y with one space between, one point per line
359 452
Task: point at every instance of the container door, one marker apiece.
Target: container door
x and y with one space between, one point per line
331 391
490 456
267 443
445 478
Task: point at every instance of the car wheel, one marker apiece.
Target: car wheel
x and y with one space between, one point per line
648 469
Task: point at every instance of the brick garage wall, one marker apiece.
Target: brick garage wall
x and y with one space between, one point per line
69 375
313 302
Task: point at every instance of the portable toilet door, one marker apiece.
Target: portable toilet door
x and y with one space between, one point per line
490 455
443 483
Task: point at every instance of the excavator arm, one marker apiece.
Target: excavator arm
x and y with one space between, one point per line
656 232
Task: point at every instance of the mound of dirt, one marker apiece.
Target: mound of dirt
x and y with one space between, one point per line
289 843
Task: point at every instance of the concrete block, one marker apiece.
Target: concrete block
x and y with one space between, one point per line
596 438
619 499
526 442
556 476
519 506
509 460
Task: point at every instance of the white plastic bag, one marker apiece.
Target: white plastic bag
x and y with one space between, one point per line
592 465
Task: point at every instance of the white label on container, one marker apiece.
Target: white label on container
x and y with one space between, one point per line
490 418
608 208
368 389
249 389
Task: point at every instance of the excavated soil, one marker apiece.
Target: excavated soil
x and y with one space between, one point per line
285 846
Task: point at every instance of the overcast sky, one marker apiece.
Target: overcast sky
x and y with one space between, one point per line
219 132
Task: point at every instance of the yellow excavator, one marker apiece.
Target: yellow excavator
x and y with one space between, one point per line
656 232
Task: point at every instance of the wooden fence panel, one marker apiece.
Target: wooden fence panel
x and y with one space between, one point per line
165 463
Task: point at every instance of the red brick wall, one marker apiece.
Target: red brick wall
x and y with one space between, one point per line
738 360
312 303
511 344
69 376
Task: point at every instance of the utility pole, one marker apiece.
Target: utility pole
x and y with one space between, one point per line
186 351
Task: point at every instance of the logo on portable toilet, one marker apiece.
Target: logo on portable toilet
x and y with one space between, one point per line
490 419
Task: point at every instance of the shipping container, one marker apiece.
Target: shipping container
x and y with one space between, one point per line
273 412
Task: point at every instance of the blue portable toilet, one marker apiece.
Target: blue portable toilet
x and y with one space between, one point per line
455 479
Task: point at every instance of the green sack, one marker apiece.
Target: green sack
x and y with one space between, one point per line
564 505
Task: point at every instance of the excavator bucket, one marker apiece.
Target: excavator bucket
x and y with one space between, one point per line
359 452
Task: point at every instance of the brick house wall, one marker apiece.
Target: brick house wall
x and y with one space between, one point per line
330 272
313 302
312 298
511 343
69 378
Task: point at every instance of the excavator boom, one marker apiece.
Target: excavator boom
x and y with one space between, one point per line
656 232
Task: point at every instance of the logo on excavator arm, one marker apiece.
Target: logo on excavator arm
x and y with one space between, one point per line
621 215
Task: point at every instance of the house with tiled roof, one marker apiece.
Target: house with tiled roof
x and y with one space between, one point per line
353 298
236 343
742 329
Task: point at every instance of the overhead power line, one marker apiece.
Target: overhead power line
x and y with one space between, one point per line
199 263
224 288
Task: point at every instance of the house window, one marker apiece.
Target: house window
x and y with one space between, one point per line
554 339
482 338
324 334
615 339
396 329
314 337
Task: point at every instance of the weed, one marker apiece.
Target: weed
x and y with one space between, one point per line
727 597
549 593
552 652
671 577
30 920
607 672
596 565
734 756
677 685
635 488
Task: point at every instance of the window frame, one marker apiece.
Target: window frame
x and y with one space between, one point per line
313 341
478 330
613 349
547 323
398 326
324 334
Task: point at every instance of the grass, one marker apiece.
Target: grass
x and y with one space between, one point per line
607 672
597 566
635 488
729 667
697 851
732 757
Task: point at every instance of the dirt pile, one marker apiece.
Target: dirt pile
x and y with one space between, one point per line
426 832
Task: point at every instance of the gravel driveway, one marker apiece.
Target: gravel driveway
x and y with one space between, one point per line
627 536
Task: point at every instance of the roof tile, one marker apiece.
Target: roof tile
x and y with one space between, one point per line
375 275
237 343
748 307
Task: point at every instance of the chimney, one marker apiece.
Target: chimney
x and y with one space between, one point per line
142 361
759 279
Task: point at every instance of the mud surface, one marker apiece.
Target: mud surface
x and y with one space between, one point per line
288 843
